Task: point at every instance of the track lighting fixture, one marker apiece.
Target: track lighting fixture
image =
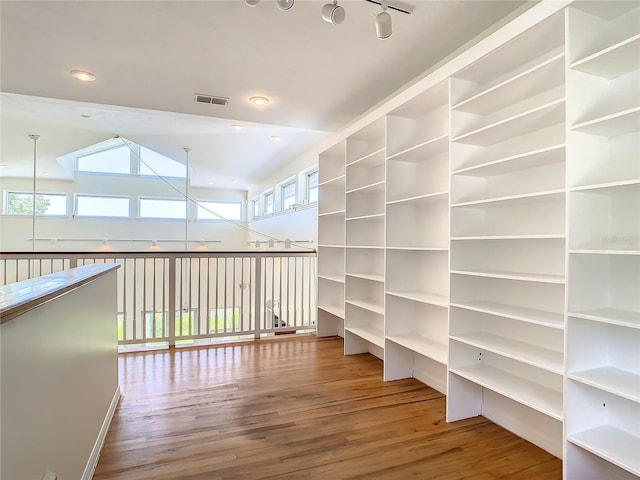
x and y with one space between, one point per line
333 13
285 4
383 24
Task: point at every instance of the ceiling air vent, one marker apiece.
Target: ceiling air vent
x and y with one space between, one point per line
210 99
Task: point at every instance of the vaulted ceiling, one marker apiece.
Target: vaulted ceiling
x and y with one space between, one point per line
151 57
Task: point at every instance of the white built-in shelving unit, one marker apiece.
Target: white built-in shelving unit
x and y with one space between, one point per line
331 241
365 227
417 239
481 232
603 331
508 235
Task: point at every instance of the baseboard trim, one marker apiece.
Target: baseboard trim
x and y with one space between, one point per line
97 447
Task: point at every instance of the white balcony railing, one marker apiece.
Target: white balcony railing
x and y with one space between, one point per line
179 298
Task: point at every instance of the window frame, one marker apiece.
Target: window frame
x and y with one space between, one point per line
163 219
76 196
209 200
102 150
268 195
5 206
308 174
283 188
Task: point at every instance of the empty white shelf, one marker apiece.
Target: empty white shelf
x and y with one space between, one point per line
615 316
524 276
522 161
611 379
507 347
333 278
613 61
423 346
612 444
422 297
613 124
535 196
333 310
533 395
540 317
369 334
368 305
367 276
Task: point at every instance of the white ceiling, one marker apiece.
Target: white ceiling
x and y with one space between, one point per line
151 57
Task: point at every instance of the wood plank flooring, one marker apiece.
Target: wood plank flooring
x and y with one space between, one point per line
296 408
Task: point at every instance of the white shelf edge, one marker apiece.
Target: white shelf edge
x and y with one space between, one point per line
510 237
469 375
426 298
367 305
333 310
505 121
417 249
527 277
599 441
504 314
417 146
364 217
579 251
370 335
366 157
505 352
426 196
603 52
332 278
366 276
586 377
600 186
508 81
365 247
331 180
549 193
365 187
328 214
512 158
604 118
328 245
422 346
608 316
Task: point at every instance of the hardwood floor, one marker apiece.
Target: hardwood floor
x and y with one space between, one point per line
296 408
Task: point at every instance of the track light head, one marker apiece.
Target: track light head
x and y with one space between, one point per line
285 4
252 3
333 13
383 24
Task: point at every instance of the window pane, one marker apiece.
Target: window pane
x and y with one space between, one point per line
162 165
100 206
312 187
159 208
268 203
46 203
226 210
256 209
288 195
114 160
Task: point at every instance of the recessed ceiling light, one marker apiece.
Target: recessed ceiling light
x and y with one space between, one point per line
259 101
238 127
275 138
210 183
83 75
234 181
2 166
85 116
45 174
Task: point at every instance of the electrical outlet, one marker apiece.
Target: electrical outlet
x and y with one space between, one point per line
49 476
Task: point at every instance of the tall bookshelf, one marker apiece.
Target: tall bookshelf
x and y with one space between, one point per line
365 227
491 230
417 239
331 240
603 339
